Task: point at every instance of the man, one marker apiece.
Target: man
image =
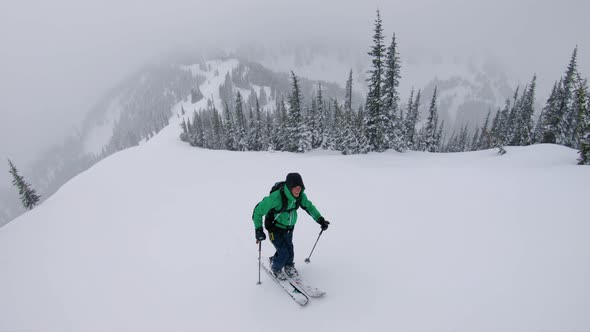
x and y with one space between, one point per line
280 212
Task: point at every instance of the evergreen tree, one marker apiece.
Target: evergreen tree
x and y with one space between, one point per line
430 142
226 91
337 135
348 93
494 130
350 142
569 121
539 131
281 122
269 144
263 99
299 133
377 120
584 152
217 130
390 98
474 146
229 129
439 137
196 138
257 129
240 125
361 130
526 125
462 143
323 120
512 120
28 195
412 118
503 121
550 116
580 108
312 120
485 139
559 117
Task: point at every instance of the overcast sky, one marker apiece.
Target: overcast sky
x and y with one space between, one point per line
58 56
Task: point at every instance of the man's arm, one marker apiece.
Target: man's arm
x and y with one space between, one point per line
308 206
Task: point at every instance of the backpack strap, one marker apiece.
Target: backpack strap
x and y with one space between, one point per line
270 218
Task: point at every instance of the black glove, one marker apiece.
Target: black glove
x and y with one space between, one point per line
323 223
260 236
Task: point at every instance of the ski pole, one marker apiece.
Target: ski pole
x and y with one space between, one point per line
316 242
259 262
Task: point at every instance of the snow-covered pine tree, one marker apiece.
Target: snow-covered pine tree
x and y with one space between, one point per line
474 146
494 130
263 99
312 119
257 129
229 129
485 139
337 134
348 93
552 116
390 98
579 108
526 125
240 138
226 91
412 118
28 195
462 142
512 120
376 117
502 138
430 130
569 120
299 133
361 131
218 129
584 152
323 119
440 138
183 126
350 144
269 130
196 138
542 121
280 125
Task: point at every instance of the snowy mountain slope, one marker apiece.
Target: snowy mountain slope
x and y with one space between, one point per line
139 107
159 238
468 87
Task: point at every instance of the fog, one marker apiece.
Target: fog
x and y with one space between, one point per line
58 56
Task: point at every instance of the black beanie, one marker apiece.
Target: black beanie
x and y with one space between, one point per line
294 180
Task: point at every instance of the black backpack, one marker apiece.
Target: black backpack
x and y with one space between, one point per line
269 219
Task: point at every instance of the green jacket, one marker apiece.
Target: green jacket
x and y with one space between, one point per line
285 219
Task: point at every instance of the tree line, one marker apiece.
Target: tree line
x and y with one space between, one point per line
299 125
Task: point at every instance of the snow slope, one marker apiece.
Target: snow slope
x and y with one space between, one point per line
159 238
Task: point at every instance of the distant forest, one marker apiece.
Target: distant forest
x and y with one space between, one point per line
303 120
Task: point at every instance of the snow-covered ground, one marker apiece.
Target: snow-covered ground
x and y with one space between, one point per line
159 238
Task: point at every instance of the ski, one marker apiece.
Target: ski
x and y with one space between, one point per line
306 287
292 290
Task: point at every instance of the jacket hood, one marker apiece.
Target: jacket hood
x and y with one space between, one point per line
294 180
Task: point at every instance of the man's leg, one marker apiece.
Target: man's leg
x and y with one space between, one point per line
290 250
280 257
